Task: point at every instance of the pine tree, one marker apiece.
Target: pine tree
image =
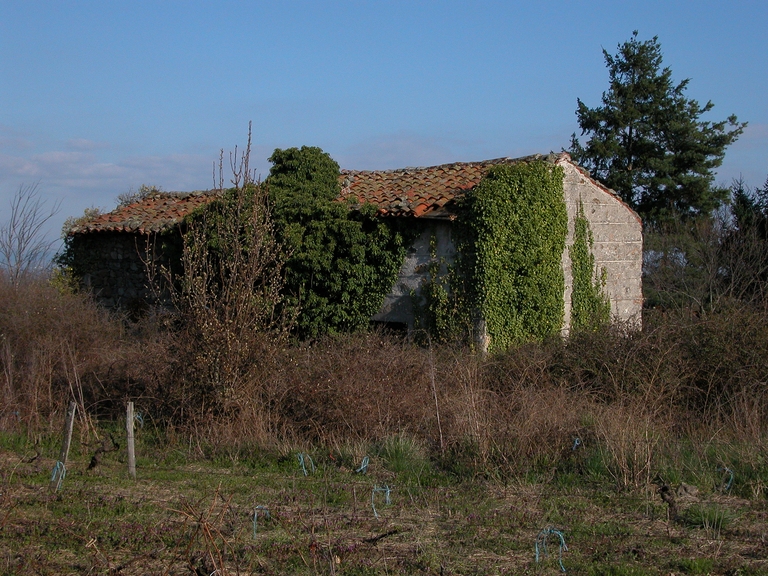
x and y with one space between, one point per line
647 141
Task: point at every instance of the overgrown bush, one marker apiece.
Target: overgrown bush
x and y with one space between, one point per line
229 297
516 224
343 260
58 346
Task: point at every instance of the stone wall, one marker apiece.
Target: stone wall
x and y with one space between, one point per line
618 247
398 307
111 265
618 244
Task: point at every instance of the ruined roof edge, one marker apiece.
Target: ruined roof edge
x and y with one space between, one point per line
409 169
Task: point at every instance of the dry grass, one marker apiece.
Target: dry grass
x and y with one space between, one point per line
481 449
630 393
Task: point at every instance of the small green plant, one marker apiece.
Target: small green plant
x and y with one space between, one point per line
700 566
618 570
144 191
406 457
712 518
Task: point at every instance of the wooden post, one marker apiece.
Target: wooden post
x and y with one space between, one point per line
69 423
131 450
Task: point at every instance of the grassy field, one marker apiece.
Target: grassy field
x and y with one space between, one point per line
187 514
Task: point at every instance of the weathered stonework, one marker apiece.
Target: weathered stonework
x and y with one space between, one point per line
618 244
617 248
434 243
114 269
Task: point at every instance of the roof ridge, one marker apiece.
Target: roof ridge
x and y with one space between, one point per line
408 169
180 193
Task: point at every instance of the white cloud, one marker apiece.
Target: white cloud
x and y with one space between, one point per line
16 166
81 179
85 144
12 139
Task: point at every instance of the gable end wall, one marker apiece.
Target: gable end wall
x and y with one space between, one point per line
618 244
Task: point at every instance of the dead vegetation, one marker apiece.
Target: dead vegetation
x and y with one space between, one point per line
632 394
192 518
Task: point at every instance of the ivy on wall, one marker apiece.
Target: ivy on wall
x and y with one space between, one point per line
517 223
342 260
442 311
510 235
590 307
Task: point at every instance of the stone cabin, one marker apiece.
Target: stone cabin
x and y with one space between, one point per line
116 242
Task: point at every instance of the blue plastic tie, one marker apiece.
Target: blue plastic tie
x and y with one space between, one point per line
728 484
58 474
386 490
302 457
541 544
265 513
576 443
364 466
139 418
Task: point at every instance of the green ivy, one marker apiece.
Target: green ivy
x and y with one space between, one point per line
510 235
442 310
515 227
343 260
590 307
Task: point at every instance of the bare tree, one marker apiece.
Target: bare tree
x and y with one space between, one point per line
24 248
229 293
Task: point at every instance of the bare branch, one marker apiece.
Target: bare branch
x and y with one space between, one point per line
23 246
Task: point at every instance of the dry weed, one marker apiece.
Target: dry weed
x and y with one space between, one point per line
630 437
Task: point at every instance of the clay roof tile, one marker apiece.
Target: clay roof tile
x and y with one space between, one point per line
419 192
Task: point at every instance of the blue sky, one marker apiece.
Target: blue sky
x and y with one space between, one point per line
97 98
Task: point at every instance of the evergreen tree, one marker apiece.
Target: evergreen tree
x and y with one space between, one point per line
647 141
750 207
746 243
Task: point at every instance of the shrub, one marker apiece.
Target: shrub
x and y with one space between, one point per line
343 260
516 224
54 347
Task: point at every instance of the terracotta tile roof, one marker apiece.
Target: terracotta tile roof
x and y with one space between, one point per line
417 191
414 192
154 213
